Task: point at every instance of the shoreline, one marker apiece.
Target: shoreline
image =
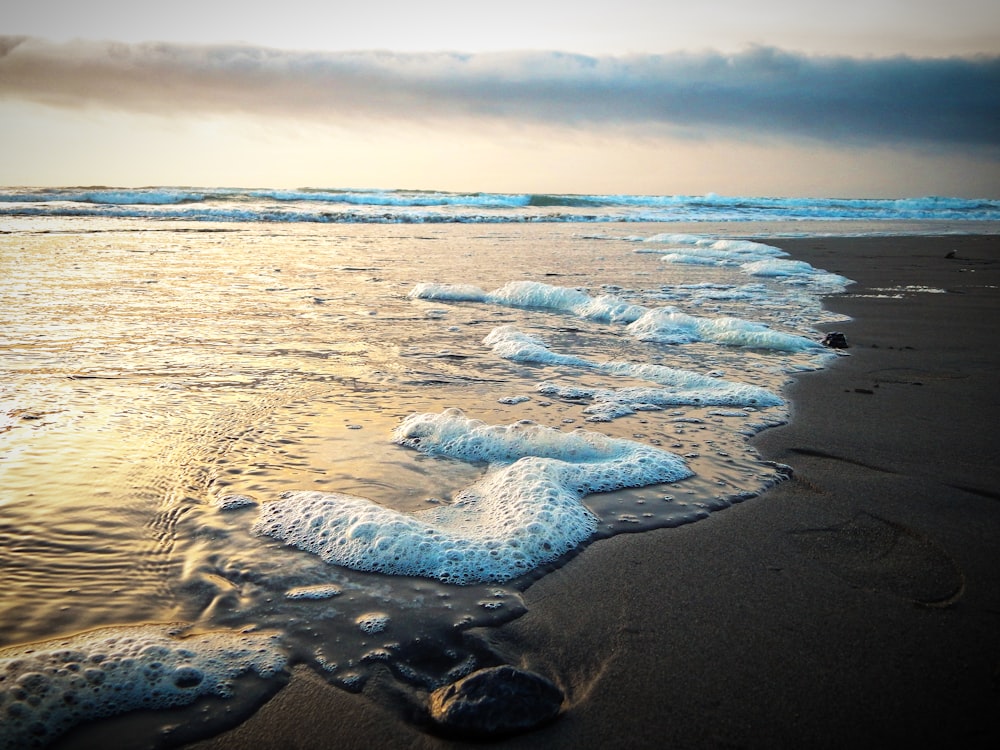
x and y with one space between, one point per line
857 602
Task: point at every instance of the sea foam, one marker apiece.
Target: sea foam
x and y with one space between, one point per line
46 688
752 258
523 513
535 294
448 292
667 325
527 294
658 325
611 403
508 342
697 250
683 386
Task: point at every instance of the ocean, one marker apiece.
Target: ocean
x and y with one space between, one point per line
246 429
349 206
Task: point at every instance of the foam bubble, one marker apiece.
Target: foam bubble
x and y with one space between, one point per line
372 622
699 257
667 325
753 258
509 342
48 687
524 512
449 292
659 325
687 387
727 292
778 268
689 248
798 273
606 308
319 591
612 403
535 294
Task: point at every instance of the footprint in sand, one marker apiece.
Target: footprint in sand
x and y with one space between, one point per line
878 555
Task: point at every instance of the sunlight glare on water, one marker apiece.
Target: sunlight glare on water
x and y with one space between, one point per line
151 370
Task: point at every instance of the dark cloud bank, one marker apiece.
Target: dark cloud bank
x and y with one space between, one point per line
763 91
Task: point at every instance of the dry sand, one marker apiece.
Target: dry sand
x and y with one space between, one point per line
855 605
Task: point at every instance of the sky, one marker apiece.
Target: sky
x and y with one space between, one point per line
880 98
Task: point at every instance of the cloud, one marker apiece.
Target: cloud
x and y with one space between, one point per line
761 92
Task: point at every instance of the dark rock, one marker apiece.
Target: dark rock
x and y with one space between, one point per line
495 701
835 340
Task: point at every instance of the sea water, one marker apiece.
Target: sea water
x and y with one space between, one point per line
228 447
430 207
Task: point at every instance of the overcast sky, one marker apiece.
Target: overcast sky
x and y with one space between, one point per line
876 98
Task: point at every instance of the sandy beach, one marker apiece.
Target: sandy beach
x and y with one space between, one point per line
856 604
460 376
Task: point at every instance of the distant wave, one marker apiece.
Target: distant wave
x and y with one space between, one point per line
162 196
104 195
576 201
426 206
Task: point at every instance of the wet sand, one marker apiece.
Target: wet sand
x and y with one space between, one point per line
856 604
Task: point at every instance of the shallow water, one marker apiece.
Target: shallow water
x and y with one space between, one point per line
150 369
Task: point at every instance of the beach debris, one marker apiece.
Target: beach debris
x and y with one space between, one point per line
835 340
495 701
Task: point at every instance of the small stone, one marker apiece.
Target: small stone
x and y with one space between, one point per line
835 340
495 701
